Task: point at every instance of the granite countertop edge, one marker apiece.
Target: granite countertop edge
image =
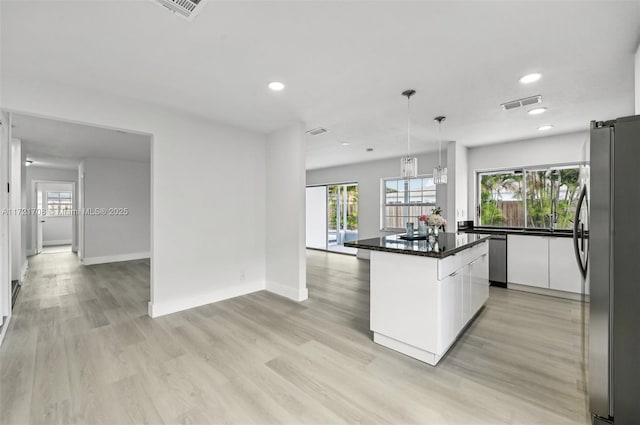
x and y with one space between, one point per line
431 254
518 232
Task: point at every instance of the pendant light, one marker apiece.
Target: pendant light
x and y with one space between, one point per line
408 164
440 172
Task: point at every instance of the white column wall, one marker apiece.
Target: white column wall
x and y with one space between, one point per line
285 188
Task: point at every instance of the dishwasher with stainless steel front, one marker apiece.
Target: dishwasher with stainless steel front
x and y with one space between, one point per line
498 260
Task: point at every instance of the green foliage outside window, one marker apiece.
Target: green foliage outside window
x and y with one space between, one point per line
350 199
549 196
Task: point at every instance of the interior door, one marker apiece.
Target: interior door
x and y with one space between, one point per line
39 221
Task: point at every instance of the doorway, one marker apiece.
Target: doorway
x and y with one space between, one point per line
55 221
332 217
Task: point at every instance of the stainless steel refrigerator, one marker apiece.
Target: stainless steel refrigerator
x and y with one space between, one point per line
614 271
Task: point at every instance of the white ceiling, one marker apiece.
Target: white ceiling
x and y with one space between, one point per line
345 64
58 144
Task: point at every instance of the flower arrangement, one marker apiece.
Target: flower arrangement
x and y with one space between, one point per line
435 219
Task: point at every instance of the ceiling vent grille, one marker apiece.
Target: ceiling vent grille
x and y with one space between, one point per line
316 131
513 104
187 9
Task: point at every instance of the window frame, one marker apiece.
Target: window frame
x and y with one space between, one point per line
523 169
57 212
384 204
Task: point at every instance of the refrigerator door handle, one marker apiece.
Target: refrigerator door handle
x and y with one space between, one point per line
578 232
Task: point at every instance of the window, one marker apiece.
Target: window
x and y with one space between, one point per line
501 199
406 200
59 203
533 197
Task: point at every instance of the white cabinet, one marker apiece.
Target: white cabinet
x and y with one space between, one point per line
528 260
564 274
544 262
478 283
451 310
419 305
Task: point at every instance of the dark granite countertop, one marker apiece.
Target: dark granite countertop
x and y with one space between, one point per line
447 244
561 233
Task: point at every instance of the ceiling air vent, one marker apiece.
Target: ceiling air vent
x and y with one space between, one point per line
513 104
316 131
188 9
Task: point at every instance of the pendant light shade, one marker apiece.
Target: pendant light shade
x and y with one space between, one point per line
408 167
408 164
440 172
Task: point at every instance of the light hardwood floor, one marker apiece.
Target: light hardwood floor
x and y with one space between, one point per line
80 349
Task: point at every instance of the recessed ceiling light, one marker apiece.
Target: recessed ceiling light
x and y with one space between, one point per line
530 78
276 86
345 143
537 111
545 127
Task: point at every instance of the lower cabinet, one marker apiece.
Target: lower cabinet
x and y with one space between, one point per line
544 262
419 305
463 293
564 274
528 260
479 285
451 320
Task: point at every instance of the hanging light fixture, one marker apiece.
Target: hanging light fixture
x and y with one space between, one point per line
440 172
408 164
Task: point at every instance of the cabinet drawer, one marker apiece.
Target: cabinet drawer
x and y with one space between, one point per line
449 265
473 253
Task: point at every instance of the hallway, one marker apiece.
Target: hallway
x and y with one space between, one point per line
67 327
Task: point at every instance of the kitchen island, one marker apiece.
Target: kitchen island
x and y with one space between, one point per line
424 294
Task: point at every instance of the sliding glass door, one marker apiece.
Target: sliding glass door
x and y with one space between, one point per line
342 217
332 217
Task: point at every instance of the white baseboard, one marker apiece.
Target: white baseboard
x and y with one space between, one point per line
549 292
31 252
173 306
88 261
296 294
58 242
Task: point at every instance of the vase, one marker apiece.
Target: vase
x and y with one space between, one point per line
432 235
410 229
422 228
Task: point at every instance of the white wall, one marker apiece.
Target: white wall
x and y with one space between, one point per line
316 217
5 256
285 237
117 184
555 149
18 259
33 174
56 230
637 71
202 249
368 176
